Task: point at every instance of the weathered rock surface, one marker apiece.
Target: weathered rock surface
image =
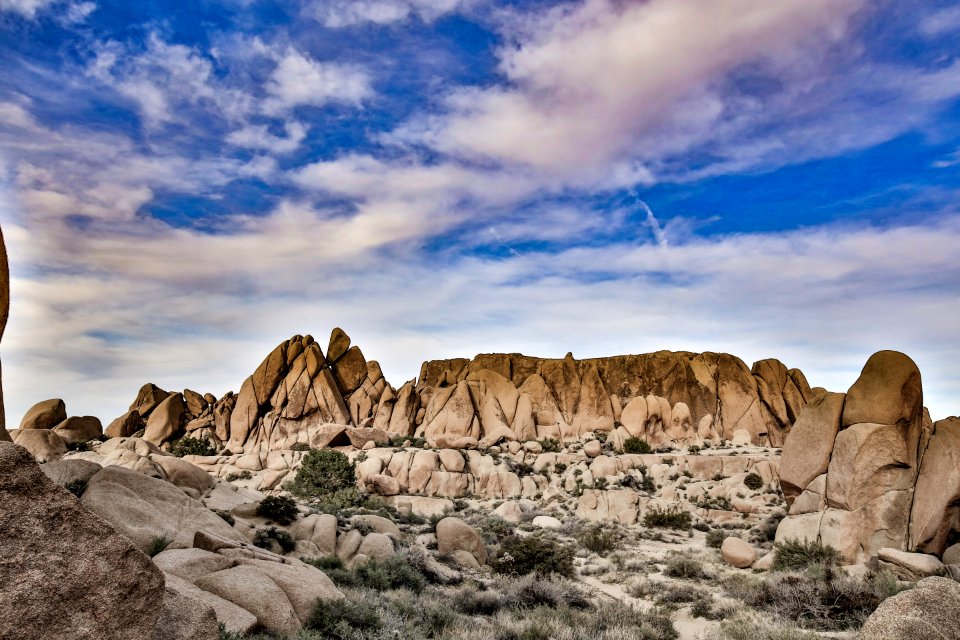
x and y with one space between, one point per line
926 612
738 552
88 582
453 534
45 445
183 617
936 503
76 429
909 566
867 471
666 398
143 508
44 415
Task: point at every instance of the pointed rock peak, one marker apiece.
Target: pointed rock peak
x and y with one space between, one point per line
339 344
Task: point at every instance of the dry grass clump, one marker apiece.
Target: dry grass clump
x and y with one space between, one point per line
754 628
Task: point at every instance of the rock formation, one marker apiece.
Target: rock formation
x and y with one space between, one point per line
65 573
867 470
665 398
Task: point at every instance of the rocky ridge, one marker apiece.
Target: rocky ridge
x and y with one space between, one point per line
298 392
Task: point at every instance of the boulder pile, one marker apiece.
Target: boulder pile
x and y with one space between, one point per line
868 470
298 392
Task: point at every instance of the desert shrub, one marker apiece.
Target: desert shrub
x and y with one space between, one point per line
750 628
472 602
598 539
693 450
158 544
670 518
226 515
687 567
344 619
492 529
679 594
719 503
753 481
323 471
417 443
187 446
705 607
379 575
797 555
263 538
715 537
241 475
616 620
538 553
550 445
280 509
76 487
335 569
300 446
393 573
636 445
532 591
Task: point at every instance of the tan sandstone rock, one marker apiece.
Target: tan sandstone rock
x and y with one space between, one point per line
143 508
45 445
738 552
44 415
95 585
926 612
453 534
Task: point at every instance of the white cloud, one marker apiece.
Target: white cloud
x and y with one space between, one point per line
586 80
344 13
165 78
259 137
26 8
301 80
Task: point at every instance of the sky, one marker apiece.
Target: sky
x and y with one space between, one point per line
185 185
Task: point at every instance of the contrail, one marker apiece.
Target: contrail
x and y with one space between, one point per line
655 227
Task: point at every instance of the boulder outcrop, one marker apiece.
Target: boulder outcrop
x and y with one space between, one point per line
867 470
665 398
64 572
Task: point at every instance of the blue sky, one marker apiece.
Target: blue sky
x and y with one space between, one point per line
184 185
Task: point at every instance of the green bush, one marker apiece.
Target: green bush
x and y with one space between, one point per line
226 515
670 518
550 445
753 481
158 544
598 539
636 445
715 537
280 509
797 555
187 446
300 446
327 478
537 553
344 620
385 575
76 487
242 475
264 537
492 529
379 575
684 566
